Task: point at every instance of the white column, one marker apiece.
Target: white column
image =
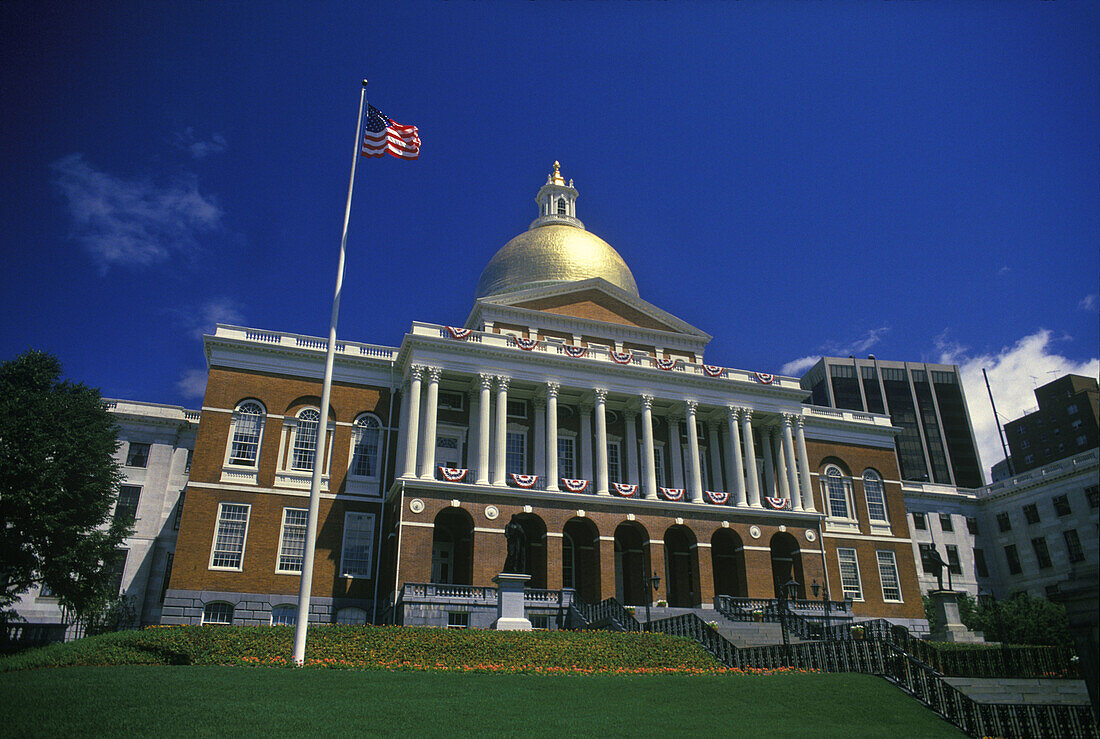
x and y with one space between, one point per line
601 443
770 487
648 451
716 457
630 453
431 411
792 469
696 486
750 457
552 436
412 423
500 453
677 461
586 442
538 436
804 465
736 463
781 473
485 385
473 432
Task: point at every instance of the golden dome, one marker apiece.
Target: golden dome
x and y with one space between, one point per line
556 248
550 254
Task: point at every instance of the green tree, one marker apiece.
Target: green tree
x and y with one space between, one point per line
1022 619
58 483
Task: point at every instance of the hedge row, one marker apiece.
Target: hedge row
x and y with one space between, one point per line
379 648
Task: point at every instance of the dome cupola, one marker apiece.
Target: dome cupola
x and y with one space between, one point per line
556 248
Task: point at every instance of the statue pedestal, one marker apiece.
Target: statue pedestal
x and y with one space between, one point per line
510 612
951 628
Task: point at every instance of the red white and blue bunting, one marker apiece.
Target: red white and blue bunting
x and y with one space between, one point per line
715 497
764 377
574 351
524 481
623 358
672 493
526 344
779 504
459 333
574 486
711 371
665 364
624 489
453 474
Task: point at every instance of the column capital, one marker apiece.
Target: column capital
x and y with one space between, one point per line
647 402
690 406
434 373
746 414
733 411
788 419
552 389
503 382
415 371
800 422
600 395
485 381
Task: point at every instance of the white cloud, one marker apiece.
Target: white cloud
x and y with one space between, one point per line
211 313
1089 303
1014 373
197 148
133 222
193 383
796 367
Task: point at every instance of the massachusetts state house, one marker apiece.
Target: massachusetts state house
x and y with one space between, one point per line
563 399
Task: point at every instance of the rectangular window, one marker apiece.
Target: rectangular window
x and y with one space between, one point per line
1013 559
836 493
292 540
540 622
927 560
945 522
849 574
1031 513
167 575
659 465
451 401
888 575
1025 444
614 470
876 498
137 455
972 525
953 563
127 505
516 453
1076 424
1073 546
517 409
179 512
305 445
1042 554
567 447
118 569
1029 459
919 523
358 545
229 536
1071 409
1093 494
457 620
1061 505
979 563
1004 523
187 464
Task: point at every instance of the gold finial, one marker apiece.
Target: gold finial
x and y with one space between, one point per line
556 177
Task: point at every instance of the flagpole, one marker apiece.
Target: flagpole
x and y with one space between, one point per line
322 431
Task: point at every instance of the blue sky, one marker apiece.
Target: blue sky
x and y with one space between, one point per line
916 180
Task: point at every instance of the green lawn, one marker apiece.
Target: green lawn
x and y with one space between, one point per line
145 700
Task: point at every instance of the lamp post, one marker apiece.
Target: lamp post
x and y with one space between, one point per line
787 591
649 587
815 587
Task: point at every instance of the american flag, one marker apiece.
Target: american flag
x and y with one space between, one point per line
384 135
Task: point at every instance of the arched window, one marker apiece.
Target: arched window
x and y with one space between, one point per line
876 495
246 434
836 493
305 440
351 617
365 442
218 614
562 207
568 562
285 615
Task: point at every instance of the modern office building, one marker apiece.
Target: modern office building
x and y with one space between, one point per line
565 402
926 401
1066 423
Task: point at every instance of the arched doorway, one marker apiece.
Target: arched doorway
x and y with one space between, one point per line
681 567
631 563
535 530
580 558
453 547
786 563
727 561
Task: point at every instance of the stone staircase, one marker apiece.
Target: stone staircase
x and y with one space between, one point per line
741 633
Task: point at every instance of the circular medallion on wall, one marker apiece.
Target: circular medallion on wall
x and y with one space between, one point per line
491 512
782 527
416 505
810 535
754 532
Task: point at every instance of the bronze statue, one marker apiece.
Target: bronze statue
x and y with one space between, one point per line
516 561
935 559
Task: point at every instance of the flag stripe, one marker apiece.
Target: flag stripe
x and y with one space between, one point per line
385 136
